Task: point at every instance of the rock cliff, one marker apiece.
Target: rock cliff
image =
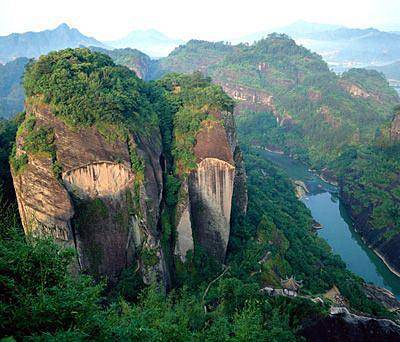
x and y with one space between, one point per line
384 243
208 163
205 213
97 203
349 327
92 176
395 126
89 181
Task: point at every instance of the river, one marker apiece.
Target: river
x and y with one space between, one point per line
338 231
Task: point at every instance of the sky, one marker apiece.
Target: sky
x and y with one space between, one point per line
185 19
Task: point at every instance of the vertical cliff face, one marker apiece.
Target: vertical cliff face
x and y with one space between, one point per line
207 163
210 192
92 175
205 213
395 126
86 166
98 203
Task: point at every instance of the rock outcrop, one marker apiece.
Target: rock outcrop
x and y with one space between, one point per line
256 100
97 203
382 296
355 90
349 327
90 164
395 127
204 212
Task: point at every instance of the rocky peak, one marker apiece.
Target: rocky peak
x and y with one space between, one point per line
94 179
90 183
208 163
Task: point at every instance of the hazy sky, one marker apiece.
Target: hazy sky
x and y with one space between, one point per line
206 19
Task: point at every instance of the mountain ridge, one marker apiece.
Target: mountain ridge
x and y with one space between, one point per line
33 44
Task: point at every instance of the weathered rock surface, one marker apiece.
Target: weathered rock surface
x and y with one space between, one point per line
382 296
44 204
210 192
204 212
395 128
350 327
356 90
99 205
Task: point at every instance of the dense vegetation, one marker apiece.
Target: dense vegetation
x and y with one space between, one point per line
86 88
194 99
8 129
368 173
43 300
326 125
131 58
326 117
371 186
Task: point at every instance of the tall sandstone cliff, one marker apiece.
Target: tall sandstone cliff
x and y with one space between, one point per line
92 175
86 165
204 215
96 204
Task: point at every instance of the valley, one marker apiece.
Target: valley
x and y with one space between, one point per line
337 228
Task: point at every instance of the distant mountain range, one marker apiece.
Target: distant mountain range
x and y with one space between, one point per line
340 46
11 91
295 30
354 47
151 42
391 71
34 44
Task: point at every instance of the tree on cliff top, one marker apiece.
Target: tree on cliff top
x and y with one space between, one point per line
85 88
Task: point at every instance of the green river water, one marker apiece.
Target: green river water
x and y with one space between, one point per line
338 231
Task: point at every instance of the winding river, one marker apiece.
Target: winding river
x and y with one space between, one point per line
338 231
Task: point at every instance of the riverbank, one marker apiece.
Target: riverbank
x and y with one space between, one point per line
327 177
361 226
338 229
386 263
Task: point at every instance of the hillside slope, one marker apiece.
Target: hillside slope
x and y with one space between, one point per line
153 173
321 111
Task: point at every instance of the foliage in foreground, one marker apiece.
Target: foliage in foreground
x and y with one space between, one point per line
36 283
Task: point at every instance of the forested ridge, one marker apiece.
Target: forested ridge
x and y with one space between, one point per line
339 125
